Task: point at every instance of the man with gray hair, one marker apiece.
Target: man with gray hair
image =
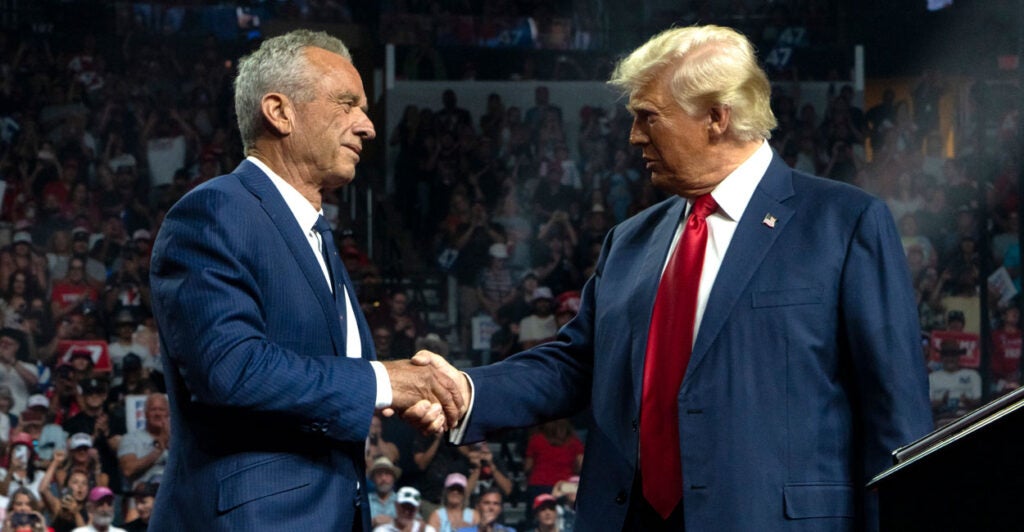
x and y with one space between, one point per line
749 347
270 367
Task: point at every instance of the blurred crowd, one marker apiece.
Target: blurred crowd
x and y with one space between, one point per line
100 136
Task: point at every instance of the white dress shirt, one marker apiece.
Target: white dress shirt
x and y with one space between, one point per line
732 196
306 216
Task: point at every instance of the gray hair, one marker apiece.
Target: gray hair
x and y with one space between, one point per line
708 65
278 65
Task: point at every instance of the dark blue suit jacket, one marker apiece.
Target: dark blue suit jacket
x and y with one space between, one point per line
268 416
806 371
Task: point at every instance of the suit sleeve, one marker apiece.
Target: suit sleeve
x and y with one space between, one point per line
550 381
213 320
882 334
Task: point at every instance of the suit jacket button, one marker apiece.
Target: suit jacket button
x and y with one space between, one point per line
620 498
635 424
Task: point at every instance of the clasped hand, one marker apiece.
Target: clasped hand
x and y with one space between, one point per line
427 392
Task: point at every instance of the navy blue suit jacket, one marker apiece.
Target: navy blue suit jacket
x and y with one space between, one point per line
268 415
806 371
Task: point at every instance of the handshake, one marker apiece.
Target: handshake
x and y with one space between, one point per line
427 392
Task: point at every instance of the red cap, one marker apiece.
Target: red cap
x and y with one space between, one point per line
542 499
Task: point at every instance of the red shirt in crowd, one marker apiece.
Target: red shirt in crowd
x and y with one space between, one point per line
552 463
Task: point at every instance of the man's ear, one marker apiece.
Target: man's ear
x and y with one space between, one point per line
278 113
718 119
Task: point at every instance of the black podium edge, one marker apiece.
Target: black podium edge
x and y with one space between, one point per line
958 429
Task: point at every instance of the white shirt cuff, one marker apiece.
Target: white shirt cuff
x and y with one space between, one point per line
384 396
455 435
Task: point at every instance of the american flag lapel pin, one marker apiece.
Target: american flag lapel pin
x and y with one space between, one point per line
769 220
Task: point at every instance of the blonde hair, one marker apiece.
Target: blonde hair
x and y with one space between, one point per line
709 65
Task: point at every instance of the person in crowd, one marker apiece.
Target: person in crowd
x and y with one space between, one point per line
954 389
249 258
143 496
435 461
142 453
64 393
486 471
101 511
383 474
567 304
852 357
487 514
553 453
454 512
377 446
1006 347
23 512
66 503
15 372
21 471
495 287
451 117
541 108
73 290
124 342
565 495
80 456
473 240
402 320
545 513
539 326
407 518
8 420
95 271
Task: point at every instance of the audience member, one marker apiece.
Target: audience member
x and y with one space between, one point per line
383 474
545 513
954 389
1006 347
143 497
377 446
407 518
101 511
67 503
23 513
21 469
80 456
486 471
487 514
454 514
539 326
553 453
565 493
143 452
19 376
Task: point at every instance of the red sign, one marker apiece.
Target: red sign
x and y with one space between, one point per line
969 342
97 350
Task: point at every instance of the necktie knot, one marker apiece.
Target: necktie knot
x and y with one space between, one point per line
704 205
321 226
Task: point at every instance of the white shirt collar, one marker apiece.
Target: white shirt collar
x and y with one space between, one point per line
301 208
733 194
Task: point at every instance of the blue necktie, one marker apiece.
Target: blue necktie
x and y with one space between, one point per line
335 268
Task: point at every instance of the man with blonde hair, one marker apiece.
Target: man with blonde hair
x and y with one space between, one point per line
748 347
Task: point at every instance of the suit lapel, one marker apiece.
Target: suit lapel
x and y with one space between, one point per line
747 250
648 279
277 210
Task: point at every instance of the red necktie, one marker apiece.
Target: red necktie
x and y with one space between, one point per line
669 343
